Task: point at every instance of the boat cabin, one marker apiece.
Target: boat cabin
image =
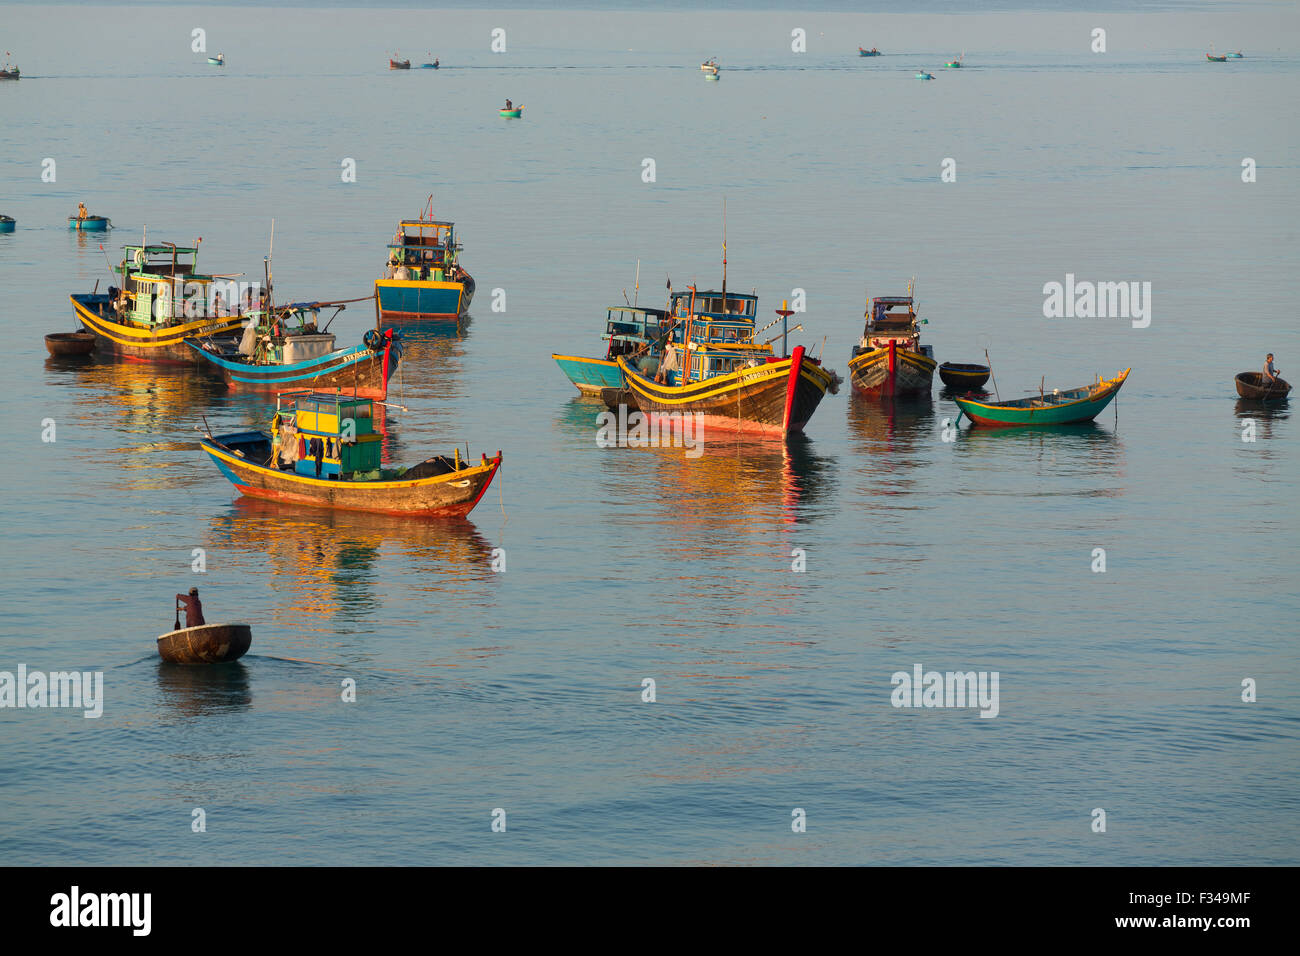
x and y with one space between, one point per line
423 249
629 330
721 330
344 427
161 286
891 318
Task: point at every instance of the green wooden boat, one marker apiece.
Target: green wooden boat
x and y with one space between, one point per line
515 113
1067 407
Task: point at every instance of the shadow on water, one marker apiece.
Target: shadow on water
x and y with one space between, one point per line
203 690
327 562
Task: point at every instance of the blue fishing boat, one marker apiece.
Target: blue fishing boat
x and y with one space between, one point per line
1236 56
7 223
286 349
424 279
429 66
218 60
89 223
630 331
872 52
925 76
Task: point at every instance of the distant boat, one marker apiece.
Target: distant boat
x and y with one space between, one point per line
325 452
710 65
629 331
1236 56
89 223
7 223
889 360
399 64
424 279
713 77
429 66
1251 385
513 113
925 76
1216 59
218 60
956 64
205 644
956 375
9 73
872 52
1056 407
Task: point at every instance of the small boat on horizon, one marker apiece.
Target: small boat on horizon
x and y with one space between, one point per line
423 278
8 223
512 112
323 450
925 76
872 52
1236 56
429 66
10 72
1251 385
956 64
710 65
890 360
399 64
218 60
1216 59
1056 407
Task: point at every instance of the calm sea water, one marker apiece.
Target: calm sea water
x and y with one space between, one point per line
522 690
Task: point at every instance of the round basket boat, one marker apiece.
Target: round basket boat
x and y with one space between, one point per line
513 114
956 375
89 224
1251 385
205 644
60 344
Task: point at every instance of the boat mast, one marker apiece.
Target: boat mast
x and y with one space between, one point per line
724 255
636 291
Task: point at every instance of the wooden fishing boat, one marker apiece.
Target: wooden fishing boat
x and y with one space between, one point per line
89 223
956 64
1236 56
959 376
1216 59
399 64
514 113
10 73
218 60
925 76
710 65
1056 407
872 52
429 66
713 367
63 344
630 331
163 301
890 361
1251 385
8 223
323 450
424 279
205 644
288 350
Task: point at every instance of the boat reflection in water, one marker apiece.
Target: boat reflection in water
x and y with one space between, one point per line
205 691
329 566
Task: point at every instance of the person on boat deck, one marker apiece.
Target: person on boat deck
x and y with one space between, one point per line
81 211
1270 370
316 450
508 105
189 603
218 307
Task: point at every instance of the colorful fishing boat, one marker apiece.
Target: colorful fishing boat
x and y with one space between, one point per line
1213 58
323 450
964 377
955 64
710 65
1252 385
925 76
8 224
429 66
513 112
218 60
163 301
1057 407
630 331
712 366
285 348
424 279
205 644
10 73
89 223
1236 56
399 64
890 361
872 52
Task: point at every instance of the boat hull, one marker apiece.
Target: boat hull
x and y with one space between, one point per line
419 300
1085 407
450 495
963 376
763 399
164 344
60 344
7 225
89 224
205 644
590 375
913 373
357 370
512 114
399 64
1250 385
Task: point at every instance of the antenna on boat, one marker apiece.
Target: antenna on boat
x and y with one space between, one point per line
991 375
724 254
636 292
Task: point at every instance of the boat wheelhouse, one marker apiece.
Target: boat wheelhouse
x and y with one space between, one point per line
712 366
890 360
286 348
163 300
324 450
423 278
630 331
